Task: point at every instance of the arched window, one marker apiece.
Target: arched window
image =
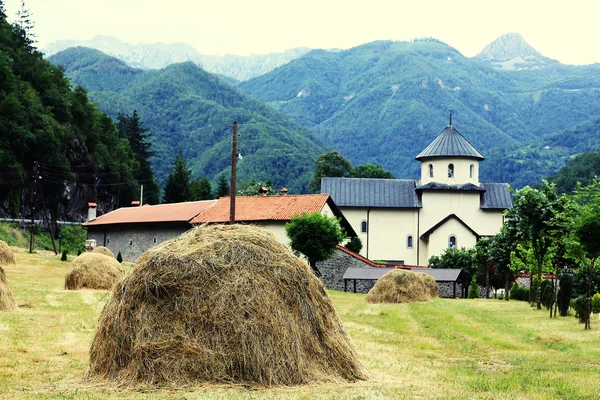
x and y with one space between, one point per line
471 171
452 242
431 170
450 170
409 242
363 226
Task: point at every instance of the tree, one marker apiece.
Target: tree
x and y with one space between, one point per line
501 248
354 245
200 189
26 26
564 294
251 188
481 260
456 258
370 171
177 188
222 187
539 219
130 128
2 11
474 289
315 235
331 164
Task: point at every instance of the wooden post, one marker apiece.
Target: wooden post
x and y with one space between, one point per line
355 286
345 285
234 157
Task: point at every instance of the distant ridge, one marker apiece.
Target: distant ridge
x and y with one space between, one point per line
511 52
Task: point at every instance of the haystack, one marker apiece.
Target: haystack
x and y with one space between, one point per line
400 286
103 250
7 300
93 271
7 257
221 303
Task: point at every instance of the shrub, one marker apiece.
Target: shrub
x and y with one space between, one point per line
547 293
64 256
119 257
474 289
525 293
514 291
579 307
596 303
354 245
564 294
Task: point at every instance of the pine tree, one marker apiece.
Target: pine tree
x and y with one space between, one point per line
2 10
177 188
222 187
130 128
200 189
26 26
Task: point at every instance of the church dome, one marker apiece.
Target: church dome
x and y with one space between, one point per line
449 143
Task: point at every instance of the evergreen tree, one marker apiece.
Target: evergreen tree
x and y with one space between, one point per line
26 26
331 164
177 188
200 189
2 10
130 128
222 187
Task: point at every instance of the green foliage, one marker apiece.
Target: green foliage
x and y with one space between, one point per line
354 245
73 238
222 187
315 235
581 279
200 189
456 258
473 289
547 293
565 291
580 169
370 171
119 257
596 303
331 164
251 188
514 291
580 307
63 257
177 188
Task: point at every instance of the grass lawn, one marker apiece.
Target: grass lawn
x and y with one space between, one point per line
445 349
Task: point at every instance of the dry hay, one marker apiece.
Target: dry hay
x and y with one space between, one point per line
400 286
93 271
103 250
7 300
221 303
7 256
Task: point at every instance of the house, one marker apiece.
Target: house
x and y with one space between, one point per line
408 221
273 212
133 230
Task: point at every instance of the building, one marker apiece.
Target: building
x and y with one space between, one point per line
133 230
408 221
273 212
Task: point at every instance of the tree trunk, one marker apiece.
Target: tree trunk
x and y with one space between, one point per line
313 265
506 286
588 305
538 289
487 281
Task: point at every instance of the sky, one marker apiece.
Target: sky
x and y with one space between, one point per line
563 30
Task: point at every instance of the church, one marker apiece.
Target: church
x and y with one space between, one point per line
401 221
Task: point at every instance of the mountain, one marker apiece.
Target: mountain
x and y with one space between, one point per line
161 55
384 101
186 107
511 52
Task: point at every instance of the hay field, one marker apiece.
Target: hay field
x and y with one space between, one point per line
443 349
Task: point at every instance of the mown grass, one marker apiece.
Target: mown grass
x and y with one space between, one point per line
445 349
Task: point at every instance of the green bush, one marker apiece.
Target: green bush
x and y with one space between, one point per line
474 289
596 303
354 245
524 295
514 291
564 294
119 257
64 256
73 238
547 293
579 306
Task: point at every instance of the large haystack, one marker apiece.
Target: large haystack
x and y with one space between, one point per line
400 286
103 250
93 271
221 303
7 257
7 300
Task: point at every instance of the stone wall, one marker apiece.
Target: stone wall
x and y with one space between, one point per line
132 240
332 272
446 289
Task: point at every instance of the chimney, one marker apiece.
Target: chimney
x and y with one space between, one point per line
91 211
283 191
263 191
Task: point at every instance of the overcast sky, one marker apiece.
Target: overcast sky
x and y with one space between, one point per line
564 30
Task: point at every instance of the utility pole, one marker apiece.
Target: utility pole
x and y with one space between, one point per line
35 176
234 157
142 194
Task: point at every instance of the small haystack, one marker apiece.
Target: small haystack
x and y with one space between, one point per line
7 257
221 303
400 286
103 250
7 300
93 271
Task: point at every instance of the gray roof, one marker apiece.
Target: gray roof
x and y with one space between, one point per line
366 273
496 196
441 274
464 187
368 192
450 143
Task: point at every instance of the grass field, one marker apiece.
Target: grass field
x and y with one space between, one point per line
461 349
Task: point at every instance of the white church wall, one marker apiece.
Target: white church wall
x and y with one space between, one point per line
462 171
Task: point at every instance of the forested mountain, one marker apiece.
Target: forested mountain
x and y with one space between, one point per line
57 151
185 107
161 55
383 102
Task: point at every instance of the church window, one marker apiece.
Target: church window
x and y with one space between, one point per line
431 170
450 170
409 242
452 242
363 227
471 171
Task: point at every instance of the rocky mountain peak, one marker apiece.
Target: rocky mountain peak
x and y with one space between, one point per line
512 52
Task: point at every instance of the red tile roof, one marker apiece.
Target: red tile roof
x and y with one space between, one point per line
176 212
263 208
